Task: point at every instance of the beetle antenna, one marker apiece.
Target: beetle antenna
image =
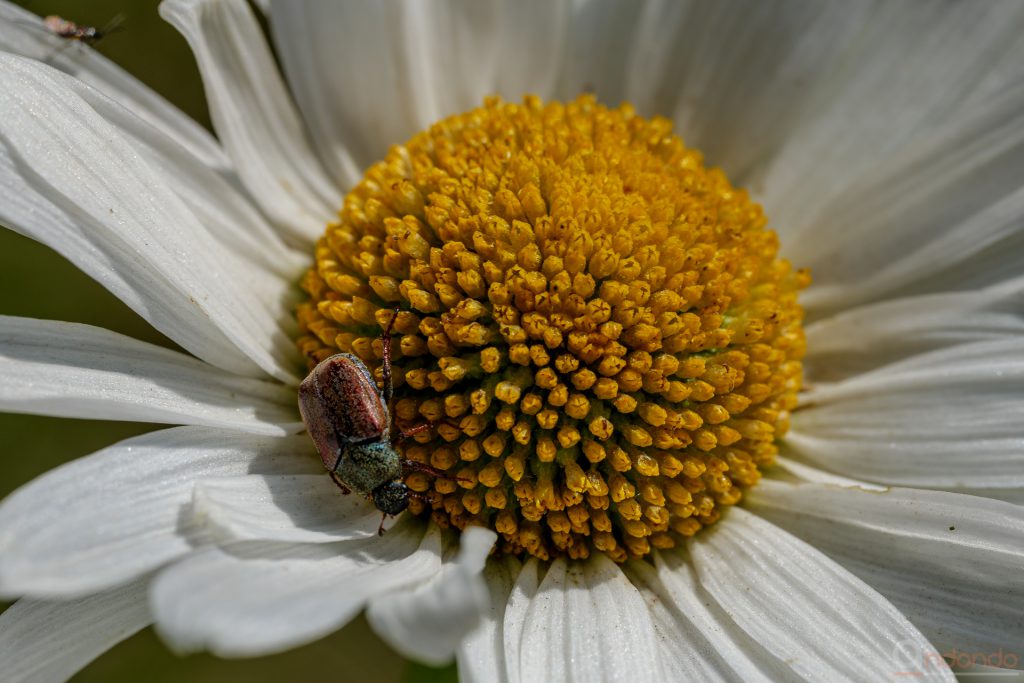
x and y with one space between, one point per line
389 387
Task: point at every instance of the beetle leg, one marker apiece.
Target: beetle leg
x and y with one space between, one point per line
413 431
422 427
380 529
341 485
414 466
419 496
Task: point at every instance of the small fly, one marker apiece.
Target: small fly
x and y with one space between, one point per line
70 31
349 420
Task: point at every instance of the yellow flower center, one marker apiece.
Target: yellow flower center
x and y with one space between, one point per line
598 326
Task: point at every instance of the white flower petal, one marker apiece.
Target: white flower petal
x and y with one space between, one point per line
794 470
48 640
861 112
735 74
22 33
272 267
520 600
110 516
72 370
813 615
298 508
417 63
532 35
699 642
435 42
599 41
950 418
69 180
259 598
427 622
874 335
951 563
956 199
212 196
1013 495
254 116
481 655
585 622
186 165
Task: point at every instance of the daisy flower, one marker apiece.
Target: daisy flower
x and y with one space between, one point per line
647 461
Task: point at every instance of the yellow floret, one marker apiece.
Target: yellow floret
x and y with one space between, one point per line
599 325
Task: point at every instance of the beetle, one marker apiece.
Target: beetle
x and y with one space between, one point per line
349 420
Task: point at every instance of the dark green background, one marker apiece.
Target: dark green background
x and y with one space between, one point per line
36 282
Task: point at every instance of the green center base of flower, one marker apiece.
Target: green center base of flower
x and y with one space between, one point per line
597 326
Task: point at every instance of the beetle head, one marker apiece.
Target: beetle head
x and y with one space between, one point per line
391 497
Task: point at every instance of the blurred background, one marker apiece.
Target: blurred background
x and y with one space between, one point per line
36 282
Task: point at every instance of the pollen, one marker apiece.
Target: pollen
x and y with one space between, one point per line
596 327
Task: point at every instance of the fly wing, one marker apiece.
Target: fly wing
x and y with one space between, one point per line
340 404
